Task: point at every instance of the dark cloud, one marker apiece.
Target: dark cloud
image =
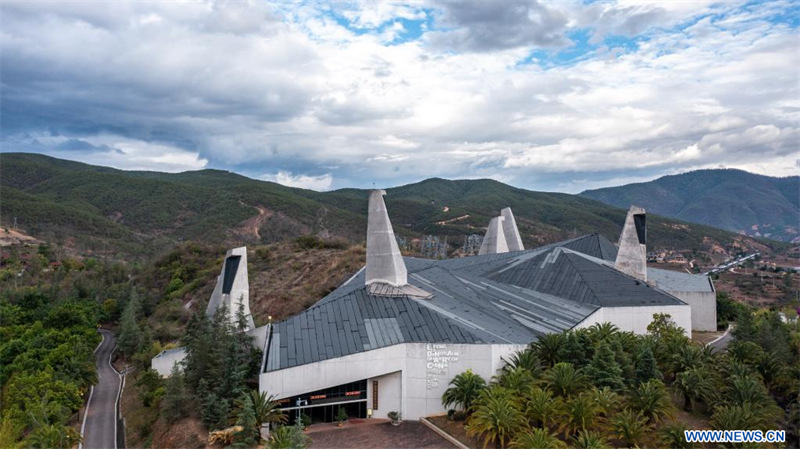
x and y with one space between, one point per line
490 26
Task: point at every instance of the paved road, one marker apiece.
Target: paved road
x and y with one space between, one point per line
722 343
101 415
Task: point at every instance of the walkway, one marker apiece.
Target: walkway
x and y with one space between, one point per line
409 434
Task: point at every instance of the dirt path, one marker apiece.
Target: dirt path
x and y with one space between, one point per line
252 225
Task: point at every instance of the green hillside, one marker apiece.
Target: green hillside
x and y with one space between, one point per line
142 213
735 200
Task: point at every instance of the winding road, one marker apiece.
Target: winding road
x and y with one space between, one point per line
721 343
99 427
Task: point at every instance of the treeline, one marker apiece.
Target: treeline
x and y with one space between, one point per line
50 313
217 382
600 387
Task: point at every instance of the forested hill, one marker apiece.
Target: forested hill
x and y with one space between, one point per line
760 206
138 213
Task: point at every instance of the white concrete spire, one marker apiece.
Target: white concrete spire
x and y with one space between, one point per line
511 231
494 242
232 287
384 261
632 253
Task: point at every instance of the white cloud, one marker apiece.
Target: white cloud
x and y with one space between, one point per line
287 89
319 183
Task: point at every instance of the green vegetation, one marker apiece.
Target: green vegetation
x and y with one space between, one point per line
728 199
47 340
560 398
138 214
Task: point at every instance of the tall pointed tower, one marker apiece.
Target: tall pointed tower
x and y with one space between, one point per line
511 231
494 242
232 287
632 253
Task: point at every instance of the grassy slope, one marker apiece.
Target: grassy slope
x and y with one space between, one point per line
116 211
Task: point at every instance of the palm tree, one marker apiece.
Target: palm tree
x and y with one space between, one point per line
266 408
746 389
541 407
465 388
496 416
517 379
524 359
580 413
287 437
770 368
602 332
672 435
563 379
687 357
49 436
750 391
589 440
630 427
537 438
549 348
734 417
606 399
745 352
652 400
732 367
694 384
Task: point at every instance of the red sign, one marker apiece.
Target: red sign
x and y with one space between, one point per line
319 396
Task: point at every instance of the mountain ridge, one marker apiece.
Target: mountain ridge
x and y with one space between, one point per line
115 211
734 200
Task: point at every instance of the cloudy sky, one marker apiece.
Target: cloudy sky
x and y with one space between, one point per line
548 96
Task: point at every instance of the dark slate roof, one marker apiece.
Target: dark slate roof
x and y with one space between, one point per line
584 279
593 245
512 297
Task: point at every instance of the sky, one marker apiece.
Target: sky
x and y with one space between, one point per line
561 96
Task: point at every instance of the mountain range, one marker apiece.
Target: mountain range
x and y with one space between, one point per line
124 213
735 200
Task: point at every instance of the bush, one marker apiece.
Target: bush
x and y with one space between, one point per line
307 242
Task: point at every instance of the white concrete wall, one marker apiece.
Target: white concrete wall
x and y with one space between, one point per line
424 369
390 394
163 362
704 309
636 319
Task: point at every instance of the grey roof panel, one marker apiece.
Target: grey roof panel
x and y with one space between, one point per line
679 282
498 298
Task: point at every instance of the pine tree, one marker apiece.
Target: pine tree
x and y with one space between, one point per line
174 404
130 335
247 419
745 329
603 370
646 368
577 347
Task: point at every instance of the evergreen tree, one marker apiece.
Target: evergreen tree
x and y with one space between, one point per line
646 368
175 402
249 434
623 358
130 335
745 329
604 371
577 348
211 413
